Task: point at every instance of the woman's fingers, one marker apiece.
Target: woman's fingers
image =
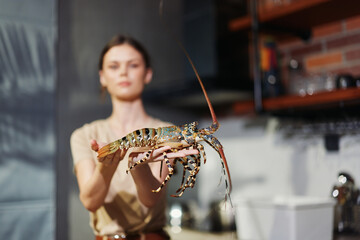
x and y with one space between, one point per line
94 145
158 153
120 154
183 153
109 158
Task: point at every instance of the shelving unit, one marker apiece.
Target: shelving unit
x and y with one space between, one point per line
338 97
301 14
295 18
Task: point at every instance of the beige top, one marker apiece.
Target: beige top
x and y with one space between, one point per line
122 211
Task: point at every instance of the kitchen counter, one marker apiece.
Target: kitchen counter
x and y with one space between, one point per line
190 234
346 237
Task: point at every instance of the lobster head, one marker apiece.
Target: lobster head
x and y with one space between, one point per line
189 132
192 134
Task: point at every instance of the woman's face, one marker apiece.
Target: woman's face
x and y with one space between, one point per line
124 73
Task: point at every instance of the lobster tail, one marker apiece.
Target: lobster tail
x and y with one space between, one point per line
108 149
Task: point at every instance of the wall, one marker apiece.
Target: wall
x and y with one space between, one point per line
27 119
333 49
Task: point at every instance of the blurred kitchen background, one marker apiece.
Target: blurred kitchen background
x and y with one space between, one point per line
283 76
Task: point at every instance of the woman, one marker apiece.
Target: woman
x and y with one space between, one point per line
120 204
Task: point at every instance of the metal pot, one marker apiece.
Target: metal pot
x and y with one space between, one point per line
345 81
222 217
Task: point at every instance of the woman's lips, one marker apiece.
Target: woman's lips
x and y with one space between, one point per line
124 84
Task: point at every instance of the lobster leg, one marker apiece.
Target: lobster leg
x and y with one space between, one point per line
185 162
147 155
171 172
192 176
201 149
196 164
167 161
195 161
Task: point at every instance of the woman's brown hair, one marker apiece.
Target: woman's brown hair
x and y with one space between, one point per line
122 39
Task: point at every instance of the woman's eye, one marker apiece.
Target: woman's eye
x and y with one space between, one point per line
134 65
113 67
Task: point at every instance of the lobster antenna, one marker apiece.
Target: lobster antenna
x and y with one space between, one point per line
161 4
213 116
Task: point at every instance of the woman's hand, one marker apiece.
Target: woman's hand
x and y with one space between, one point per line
158 154
110 159
147 178
94 179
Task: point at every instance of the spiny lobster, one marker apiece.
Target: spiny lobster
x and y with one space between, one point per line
178 137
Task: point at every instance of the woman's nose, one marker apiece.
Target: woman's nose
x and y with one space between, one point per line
123 71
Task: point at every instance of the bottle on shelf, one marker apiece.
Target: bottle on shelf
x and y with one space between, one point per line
271 82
